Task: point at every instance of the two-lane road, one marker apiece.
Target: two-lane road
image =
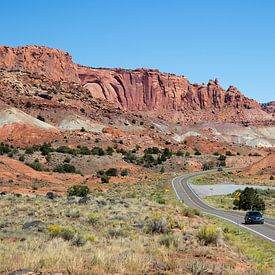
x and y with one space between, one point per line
185 193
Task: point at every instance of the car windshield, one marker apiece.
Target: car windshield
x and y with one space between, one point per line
255 213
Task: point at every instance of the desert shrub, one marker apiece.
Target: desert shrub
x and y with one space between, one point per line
124 172
222 158
28 104
39 117
109 151
180 153
215 153
94 218
190 212
64 168
228 153
271 177
130 157
197 153
59 231
29 150
66 150
97 151
72 213
105 179
208 165
45 149
78 240
208 234
156 224
78 190
82 129
162 170
152 150
169 240
116 232
160 200
166 153
36 165
100 173
112 172
4 149
67 160
197 267
22 158
187 154
84 150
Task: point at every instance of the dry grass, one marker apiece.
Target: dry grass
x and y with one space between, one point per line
110 234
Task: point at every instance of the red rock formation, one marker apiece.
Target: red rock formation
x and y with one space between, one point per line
52 63
151 90
162 95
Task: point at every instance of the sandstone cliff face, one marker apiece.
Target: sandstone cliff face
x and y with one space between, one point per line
151 90
52 63
171 97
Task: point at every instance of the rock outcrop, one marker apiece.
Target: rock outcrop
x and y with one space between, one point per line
52 63
168 94
161 95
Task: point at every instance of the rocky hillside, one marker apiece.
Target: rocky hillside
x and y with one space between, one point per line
166 96
43 61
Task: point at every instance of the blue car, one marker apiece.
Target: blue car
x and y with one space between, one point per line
253 216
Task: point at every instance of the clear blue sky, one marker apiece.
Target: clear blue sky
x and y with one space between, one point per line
233 40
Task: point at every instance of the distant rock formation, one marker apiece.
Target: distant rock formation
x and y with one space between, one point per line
52 63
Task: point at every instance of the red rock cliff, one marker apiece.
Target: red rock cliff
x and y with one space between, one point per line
151 90
52 63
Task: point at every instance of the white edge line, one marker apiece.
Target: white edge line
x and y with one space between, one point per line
245 227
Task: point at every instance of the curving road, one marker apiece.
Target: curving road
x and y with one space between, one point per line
185 193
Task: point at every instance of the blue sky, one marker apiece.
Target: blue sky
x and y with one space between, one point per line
233 40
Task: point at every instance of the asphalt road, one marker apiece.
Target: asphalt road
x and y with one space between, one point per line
189 197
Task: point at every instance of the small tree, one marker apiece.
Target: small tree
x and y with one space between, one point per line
78 190
105 179
249 199
124 172
112 172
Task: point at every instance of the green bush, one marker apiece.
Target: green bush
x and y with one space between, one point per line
98 151
112 172
105 179
78 190
65 168
59 231
66 150
94 218
109 151
45 149
40 118
36 166
124 172
22 158
249 199
208 165
208 234
84 150
4 149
